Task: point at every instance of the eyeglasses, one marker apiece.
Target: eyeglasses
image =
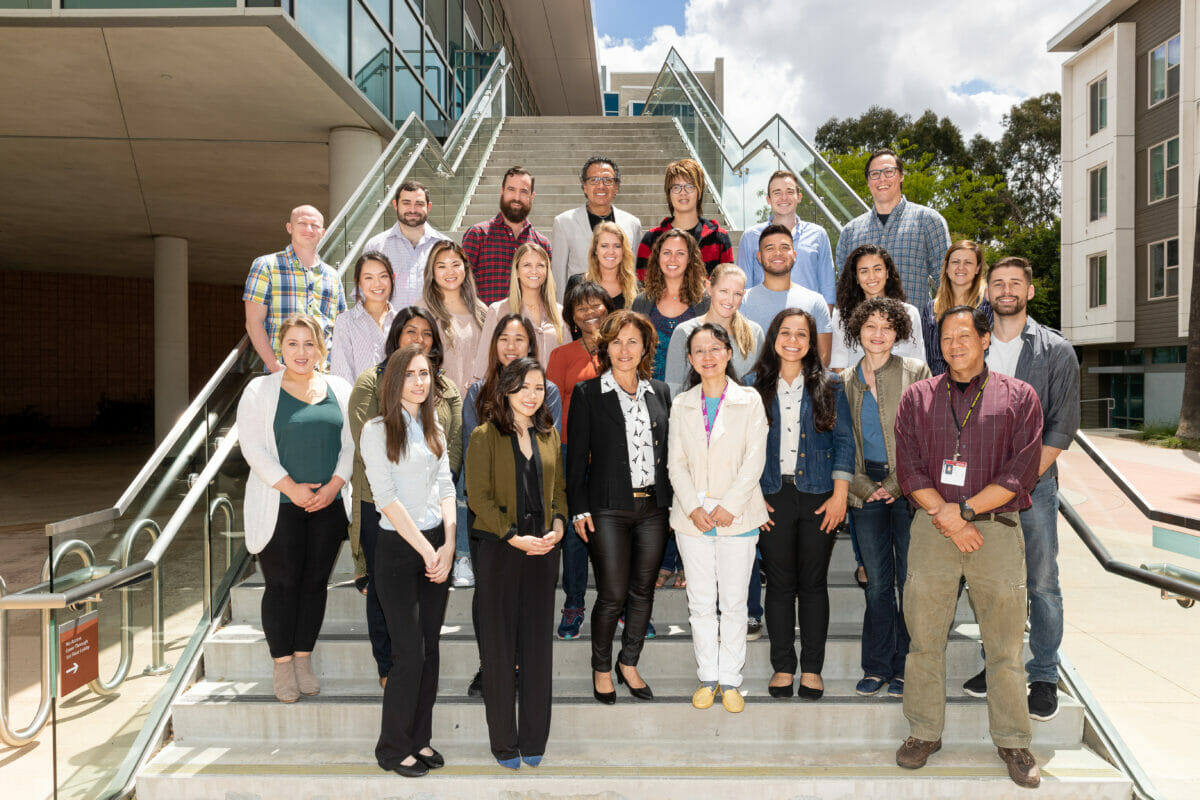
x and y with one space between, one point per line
599 181
885 172
715 350
682 188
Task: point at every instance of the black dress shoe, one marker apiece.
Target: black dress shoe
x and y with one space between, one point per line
643 693
780 691
808 693
607 698
434 760
415 770
475 688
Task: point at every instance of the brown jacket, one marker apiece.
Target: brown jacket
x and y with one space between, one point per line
491 479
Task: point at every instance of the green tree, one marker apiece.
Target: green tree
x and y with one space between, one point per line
876 127
1031 153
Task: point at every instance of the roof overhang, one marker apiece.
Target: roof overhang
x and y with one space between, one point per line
556 43
1080 30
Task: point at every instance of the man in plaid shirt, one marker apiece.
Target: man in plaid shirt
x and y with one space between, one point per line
915 236
292 281
490 245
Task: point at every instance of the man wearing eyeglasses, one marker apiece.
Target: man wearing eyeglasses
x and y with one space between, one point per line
916 236
684 186
814 257
293 281
572 231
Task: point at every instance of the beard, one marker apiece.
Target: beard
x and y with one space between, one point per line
413 219
1017 308
515 211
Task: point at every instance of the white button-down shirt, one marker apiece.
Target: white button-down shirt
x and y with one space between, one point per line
408 262
639 439
358 341
791 397
419 480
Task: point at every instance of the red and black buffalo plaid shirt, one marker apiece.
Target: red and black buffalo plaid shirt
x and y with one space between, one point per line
489 247
715 247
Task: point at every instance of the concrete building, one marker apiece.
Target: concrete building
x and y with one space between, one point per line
1129 153
152 149
625 93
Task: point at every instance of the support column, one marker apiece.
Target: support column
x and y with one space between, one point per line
352 152
170 332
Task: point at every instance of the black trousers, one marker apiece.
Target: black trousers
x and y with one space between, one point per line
795 556
413 607
295 565
516 624
627 549
369 532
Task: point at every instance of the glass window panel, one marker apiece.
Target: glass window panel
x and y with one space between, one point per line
407 92
327 23
383 11
435 18
1172 253
1173 52
372 60
454 28
124 4
434 74
1173 152
1157 176
1158 74
1172 81
1157 278
474 13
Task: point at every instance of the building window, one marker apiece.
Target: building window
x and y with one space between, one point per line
1098 193
1098 280
1164 269
612 104
1164 71
1164 170
1097 106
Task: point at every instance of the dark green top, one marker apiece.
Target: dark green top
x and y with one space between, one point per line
308 437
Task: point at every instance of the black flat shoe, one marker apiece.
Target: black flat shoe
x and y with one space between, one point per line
607 698
643 693
808 693
434 760
414 770
780 691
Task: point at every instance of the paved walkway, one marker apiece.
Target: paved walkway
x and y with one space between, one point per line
1135 651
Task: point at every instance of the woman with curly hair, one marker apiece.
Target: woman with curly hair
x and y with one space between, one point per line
870 272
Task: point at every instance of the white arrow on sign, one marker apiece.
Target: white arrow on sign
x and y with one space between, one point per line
73 668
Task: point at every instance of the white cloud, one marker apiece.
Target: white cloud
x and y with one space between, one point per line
809 60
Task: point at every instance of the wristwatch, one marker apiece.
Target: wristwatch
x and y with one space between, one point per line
968 513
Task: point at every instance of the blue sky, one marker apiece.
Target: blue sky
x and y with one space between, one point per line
635 19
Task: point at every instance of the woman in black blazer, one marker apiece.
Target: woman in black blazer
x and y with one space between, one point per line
619 493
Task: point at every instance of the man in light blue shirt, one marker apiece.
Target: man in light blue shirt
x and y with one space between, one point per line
814 268
776 255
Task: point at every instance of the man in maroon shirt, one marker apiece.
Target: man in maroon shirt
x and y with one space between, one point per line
490 245
968 443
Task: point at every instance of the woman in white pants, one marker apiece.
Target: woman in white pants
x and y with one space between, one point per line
718 437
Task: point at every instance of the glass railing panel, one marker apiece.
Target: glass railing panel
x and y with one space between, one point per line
754 175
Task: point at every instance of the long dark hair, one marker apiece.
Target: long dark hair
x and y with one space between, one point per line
818 382
392 343
484 399
721 336
850 294
500 412
392 410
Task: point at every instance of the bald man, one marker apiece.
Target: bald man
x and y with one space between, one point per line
293 281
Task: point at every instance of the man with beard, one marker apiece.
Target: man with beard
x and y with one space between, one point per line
776 256
1045 360
490 245
407 243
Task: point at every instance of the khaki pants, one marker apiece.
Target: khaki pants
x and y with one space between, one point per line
996 576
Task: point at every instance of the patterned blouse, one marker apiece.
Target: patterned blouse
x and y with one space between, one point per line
639 438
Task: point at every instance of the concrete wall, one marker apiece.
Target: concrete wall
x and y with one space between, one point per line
73 338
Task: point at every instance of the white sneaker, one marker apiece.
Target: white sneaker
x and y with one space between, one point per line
464 576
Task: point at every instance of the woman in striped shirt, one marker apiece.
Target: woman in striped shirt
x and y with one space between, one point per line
359 334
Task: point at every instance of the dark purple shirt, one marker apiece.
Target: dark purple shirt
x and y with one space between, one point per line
1001 442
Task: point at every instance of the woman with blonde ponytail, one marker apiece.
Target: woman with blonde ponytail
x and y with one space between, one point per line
726 288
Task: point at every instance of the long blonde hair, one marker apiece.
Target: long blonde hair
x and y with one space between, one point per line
739 327
626 275
435 301
943 301
547 292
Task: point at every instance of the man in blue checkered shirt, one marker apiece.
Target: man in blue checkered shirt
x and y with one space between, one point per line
915 236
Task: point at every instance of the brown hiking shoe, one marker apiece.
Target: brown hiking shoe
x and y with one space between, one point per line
915 752
1022 766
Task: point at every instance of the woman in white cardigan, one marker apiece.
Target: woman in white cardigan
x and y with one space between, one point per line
717 448
294 431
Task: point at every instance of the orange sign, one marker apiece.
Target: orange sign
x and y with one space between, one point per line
78 652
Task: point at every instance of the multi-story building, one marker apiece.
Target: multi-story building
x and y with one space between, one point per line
1129 157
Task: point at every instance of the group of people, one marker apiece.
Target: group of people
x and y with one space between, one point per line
489 411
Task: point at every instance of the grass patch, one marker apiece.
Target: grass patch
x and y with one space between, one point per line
1165 436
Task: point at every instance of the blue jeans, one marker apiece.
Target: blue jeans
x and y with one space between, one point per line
574 562
1040 524
671 561
461 530
882 529
754 609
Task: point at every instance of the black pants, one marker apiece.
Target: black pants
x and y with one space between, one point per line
413 607
627 549
516 624
381 643
795 556
295 565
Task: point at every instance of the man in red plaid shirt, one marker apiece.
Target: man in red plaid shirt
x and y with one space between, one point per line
490 245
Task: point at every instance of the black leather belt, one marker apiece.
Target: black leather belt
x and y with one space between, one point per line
1003 519
643 493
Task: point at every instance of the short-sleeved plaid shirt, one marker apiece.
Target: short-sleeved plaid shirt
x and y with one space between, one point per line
915 236
489 247
281 283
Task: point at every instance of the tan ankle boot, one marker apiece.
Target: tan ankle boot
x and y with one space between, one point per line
286 690
305 678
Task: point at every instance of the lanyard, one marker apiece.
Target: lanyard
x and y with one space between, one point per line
960 425
704 411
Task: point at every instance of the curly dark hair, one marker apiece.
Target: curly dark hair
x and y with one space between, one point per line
612 327
500 412
892 310
818 382
579 294
850 294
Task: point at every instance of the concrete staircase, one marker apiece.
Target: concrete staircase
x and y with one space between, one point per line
555 148
232 739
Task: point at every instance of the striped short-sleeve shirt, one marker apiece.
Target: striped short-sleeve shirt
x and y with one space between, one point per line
281 283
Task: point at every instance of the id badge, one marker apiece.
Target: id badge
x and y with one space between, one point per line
954 473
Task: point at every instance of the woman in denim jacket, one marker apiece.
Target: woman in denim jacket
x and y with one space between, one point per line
806 479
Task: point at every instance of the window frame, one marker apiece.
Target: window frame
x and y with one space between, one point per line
1165 145
1095 214
1165 244
1095 260
1165 46
1093 128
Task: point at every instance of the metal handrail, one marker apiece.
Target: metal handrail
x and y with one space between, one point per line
1109 405
1135 497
